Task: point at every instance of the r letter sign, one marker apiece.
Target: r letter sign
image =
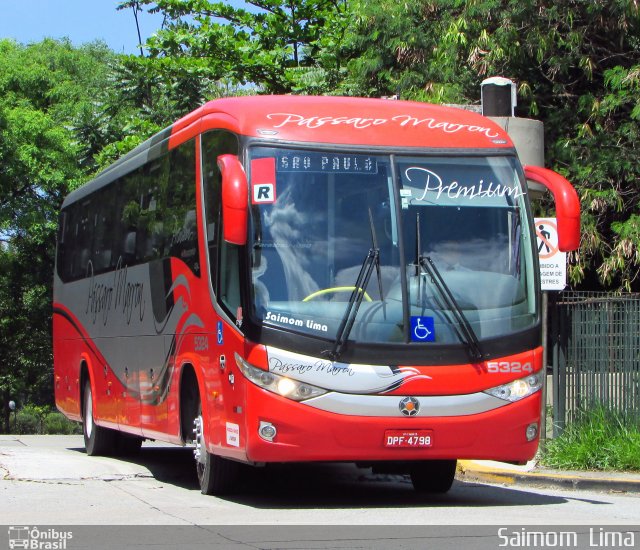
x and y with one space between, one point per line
263 181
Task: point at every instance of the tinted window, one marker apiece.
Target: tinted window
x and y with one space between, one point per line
227 285
146 215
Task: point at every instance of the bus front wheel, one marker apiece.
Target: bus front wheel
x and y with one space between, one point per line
216 475
433 476
97 440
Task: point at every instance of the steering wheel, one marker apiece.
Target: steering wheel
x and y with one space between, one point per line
336 289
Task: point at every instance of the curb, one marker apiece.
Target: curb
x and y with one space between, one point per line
469 470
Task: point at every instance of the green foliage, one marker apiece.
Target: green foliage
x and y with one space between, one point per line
56 423
598 440
42 420
407 50
28 421
46 91
267 44
138 130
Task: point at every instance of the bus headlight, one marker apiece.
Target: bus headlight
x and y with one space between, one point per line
287 387
518 389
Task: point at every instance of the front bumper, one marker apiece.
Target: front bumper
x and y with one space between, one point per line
305 433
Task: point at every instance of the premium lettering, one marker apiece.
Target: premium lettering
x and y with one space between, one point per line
455 190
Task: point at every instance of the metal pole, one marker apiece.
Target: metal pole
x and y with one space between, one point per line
545 332
12 409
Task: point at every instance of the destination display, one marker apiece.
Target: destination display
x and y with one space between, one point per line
312 162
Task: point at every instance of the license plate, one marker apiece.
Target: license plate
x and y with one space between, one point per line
408 439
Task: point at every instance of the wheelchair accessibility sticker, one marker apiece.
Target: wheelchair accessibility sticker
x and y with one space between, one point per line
220 333
423 329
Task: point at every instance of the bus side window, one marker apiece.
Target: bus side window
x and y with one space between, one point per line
180 214
104 230
127 215
151 227
83 231
65 253
223 258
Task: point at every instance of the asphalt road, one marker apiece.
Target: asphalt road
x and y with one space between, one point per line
48 480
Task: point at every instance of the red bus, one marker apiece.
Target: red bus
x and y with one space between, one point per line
295 279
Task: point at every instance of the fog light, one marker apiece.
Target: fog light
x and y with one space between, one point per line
267 431
532 431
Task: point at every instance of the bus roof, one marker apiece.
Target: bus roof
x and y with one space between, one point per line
355 121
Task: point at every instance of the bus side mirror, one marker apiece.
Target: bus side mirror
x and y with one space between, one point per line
235 199
567 205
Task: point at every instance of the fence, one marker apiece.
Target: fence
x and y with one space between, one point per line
595 338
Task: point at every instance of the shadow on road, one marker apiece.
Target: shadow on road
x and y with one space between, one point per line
331 486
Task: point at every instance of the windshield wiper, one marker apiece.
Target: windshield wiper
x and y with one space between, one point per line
351 312
374 242
468 334
425 264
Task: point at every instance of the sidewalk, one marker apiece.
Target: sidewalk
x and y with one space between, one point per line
536 476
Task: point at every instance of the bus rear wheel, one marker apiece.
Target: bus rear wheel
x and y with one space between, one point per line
433 476
216 475
97 440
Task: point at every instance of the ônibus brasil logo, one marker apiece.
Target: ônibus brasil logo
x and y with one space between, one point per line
38 539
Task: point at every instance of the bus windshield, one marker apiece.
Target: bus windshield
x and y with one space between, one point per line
445 239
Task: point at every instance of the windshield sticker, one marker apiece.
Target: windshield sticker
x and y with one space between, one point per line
285 244
298 323
337 376
263 181
323 163
435 188
423 329
361 123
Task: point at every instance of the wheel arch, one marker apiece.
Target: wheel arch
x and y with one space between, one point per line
84 377
190 394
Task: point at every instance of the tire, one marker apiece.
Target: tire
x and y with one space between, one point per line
216 475
98 441
433 476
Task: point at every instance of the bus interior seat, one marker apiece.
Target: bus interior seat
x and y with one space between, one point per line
130 245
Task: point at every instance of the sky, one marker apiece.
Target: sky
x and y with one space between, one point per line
81 21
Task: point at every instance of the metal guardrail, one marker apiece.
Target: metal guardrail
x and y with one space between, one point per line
595 339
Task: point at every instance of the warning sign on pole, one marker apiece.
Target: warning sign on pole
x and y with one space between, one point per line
553 263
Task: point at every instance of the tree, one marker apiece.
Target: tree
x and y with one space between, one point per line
264 45
419 51
49 93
